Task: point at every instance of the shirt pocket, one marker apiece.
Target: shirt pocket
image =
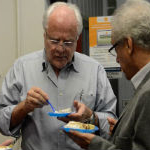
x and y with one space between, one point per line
89 100
124 143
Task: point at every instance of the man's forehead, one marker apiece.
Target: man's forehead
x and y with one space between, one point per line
63 15
62 11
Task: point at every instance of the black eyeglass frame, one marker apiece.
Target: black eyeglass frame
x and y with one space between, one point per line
113 47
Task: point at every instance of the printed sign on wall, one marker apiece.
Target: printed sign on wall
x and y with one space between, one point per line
100 42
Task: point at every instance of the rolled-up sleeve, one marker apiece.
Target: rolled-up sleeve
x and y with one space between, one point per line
9 98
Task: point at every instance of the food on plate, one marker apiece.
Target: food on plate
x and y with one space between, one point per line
79 125
67 110
5 147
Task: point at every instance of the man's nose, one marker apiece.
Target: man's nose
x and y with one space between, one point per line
60 46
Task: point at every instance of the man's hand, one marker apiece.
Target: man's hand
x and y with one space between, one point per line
112 123
82 139
7 142
82 113
36 98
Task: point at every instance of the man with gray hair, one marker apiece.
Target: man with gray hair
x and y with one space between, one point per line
131 43
60 75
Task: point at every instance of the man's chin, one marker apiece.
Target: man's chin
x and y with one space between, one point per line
60 66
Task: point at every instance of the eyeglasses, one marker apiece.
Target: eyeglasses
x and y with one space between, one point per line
55 42
112 50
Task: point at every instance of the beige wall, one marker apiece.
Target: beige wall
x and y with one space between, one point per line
8 43
20 32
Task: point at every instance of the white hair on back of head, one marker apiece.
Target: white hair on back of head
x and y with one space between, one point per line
132 19
69 5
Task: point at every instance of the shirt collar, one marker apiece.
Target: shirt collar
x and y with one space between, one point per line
72 65
75 62
140 75
44 62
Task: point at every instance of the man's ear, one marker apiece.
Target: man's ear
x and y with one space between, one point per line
130 45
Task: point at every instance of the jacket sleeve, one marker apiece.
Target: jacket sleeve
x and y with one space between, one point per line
142 125
139 140
98 143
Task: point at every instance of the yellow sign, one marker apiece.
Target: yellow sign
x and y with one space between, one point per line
99 31
100 42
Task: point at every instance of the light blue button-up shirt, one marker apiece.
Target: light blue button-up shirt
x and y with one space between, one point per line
40 131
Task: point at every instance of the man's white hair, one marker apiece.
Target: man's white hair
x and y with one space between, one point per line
69 5
132 19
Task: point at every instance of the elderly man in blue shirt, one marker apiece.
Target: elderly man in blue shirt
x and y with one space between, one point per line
59 74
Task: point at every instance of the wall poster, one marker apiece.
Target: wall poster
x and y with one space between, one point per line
100 42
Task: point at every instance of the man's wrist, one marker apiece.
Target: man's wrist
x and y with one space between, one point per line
91 120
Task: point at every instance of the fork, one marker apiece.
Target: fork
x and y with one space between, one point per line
51 105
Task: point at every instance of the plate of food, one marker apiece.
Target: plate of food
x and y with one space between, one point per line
81 127
60 113
6 147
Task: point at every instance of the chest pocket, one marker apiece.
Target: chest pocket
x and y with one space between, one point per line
89 100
